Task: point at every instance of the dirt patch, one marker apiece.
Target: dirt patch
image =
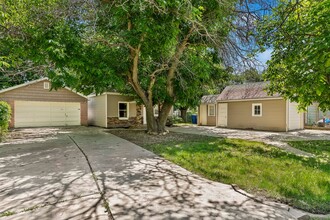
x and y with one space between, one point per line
141 138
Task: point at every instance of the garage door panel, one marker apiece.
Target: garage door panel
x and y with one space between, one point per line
38 114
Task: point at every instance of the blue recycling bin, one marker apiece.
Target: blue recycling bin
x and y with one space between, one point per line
194 119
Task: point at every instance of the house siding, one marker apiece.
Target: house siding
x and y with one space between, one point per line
135 114
273 115
211 120
113 101
97 111
204 118
36 92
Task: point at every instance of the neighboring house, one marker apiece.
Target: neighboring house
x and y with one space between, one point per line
248 106
314 114
34 105
113 109
207 110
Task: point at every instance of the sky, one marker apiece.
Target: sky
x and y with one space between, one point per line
265 56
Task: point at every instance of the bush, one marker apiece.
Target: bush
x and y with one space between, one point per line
177 120
5 113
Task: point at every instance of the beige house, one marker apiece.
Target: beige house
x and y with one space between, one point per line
34 105
113 109
207 110
248 106
314 114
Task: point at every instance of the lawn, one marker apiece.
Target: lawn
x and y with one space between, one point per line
319 148
302 182
255 167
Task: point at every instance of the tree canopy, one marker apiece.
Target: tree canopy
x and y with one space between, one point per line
299 33
162 52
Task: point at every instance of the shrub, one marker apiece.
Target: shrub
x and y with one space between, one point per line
5 113
177 120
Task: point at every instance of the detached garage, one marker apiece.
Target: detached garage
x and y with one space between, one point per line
34 105
207 110
248 106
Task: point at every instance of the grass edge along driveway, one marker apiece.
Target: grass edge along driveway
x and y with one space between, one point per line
256 167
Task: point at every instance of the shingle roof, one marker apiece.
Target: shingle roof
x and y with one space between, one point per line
209 99
246 91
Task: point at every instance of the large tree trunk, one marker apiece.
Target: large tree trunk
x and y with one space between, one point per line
184 114
157 125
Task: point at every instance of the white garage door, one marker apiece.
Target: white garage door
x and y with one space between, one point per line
38 114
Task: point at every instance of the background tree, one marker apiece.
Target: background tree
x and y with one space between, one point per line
299 33
157 51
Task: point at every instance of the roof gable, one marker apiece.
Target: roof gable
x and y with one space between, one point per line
209 99
246 91
34 82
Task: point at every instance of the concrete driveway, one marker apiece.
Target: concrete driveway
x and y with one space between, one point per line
43 175
277 139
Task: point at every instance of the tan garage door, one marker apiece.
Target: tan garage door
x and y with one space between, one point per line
39 114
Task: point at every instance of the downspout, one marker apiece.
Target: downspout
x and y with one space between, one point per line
216 114
106 110
287 116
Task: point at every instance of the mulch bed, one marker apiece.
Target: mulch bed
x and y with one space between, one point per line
141 138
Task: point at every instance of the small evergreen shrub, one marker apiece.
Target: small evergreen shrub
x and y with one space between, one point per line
5 113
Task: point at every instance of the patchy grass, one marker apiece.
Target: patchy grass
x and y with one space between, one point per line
320 148
255 167
7 213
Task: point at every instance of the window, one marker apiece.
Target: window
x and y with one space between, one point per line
211 110
257 109
46 85
156 111
123 110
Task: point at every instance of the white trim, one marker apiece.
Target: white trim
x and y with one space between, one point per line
253 109
106 111
247 100
208 110
36 81
156 108
22 85
287 115
112 93
71 90
108 93
123 118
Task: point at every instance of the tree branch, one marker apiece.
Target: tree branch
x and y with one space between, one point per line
175 62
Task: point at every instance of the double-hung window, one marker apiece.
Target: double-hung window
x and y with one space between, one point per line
257 109
211 110
123 109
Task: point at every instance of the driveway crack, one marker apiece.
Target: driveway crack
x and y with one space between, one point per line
102 193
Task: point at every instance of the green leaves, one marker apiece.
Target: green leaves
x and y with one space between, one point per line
299 33
5 113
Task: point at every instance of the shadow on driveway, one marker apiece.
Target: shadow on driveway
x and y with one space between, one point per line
51 180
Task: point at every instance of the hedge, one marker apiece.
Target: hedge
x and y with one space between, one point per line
5 113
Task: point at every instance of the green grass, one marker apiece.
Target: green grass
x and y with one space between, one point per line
255 167
7 213
319 148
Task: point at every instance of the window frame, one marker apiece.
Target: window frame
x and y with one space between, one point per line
208 110
253 109
127 110
156 111
46 85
